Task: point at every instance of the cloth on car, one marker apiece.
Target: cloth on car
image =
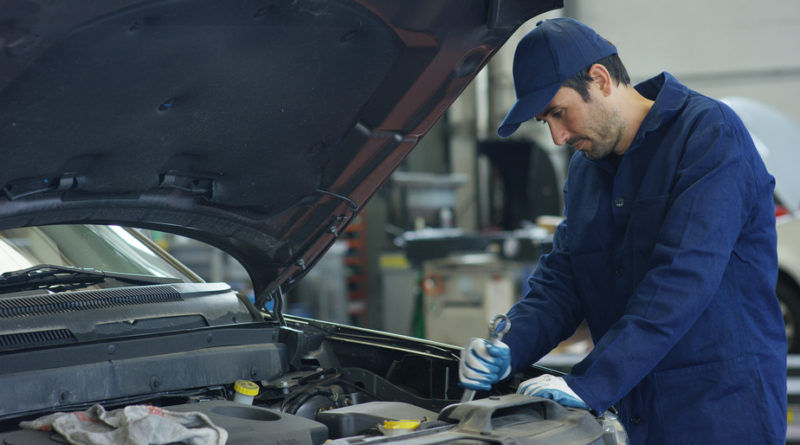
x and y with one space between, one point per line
132 425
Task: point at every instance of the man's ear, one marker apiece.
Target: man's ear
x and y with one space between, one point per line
601 78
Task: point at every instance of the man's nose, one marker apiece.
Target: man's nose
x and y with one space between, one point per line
559 134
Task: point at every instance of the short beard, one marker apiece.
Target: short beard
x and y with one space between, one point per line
609 128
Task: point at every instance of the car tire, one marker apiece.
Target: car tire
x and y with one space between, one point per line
789 299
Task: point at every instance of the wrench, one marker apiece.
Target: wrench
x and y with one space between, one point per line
498 327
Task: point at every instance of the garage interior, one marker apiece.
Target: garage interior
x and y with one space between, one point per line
450 240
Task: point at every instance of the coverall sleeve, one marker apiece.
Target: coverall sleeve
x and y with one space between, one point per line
714 188
550 312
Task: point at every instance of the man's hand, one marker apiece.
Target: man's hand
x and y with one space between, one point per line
553 388
483 364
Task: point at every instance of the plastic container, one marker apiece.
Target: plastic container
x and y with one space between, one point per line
244 391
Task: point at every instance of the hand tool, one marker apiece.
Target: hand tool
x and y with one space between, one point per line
498 327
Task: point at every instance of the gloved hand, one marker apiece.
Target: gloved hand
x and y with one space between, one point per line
484 363
553 388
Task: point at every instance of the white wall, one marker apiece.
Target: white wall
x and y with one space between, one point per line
718 47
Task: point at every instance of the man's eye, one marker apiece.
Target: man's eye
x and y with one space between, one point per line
558 113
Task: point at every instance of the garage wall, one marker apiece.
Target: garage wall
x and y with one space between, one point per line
718 47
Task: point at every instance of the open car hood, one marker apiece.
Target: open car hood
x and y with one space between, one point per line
260 127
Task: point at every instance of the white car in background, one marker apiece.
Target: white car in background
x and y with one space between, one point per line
775 136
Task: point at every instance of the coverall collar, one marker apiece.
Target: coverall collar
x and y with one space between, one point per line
669 96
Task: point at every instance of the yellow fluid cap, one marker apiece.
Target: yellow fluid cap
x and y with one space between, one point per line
400 424
245 387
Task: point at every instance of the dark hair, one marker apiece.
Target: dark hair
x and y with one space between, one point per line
579 82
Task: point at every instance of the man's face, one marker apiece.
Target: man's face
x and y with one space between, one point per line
591 127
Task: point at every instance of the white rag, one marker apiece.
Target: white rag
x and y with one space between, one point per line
132 425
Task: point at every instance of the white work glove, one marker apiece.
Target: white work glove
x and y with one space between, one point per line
553 388
484 363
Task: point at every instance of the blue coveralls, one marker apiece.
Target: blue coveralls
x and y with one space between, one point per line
669 253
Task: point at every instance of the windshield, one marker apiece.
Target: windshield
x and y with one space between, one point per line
106 248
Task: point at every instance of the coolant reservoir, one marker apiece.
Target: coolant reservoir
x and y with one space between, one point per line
244 391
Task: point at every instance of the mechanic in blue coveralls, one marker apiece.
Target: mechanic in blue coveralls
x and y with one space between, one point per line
668 251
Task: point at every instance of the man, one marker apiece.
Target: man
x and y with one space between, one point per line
668 251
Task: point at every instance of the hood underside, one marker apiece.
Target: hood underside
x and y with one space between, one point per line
260 127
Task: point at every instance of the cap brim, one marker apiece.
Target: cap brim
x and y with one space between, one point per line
526 108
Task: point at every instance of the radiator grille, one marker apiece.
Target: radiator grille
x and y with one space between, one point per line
81 301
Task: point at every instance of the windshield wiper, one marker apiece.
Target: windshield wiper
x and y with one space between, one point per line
60 278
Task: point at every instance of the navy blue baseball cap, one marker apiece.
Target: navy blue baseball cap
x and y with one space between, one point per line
551 53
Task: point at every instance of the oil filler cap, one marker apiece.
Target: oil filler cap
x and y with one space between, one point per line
394 427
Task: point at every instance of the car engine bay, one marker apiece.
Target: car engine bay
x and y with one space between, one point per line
316 381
